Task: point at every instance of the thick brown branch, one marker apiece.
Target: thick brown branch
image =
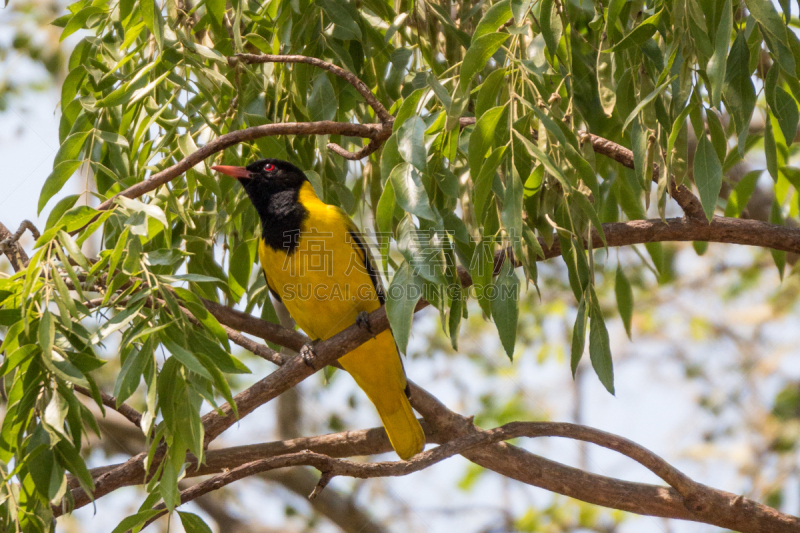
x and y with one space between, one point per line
697 502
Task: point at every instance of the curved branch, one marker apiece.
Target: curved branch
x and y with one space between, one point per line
697 498
351 78
324 127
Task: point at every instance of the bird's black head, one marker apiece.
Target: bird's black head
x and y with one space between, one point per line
273 186
266 174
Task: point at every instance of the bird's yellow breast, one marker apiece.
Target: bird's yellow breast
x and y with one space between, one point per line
323 282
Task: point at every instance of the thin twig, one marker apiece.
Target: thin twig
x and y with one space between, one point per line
111 402
683 196
9 244
380 111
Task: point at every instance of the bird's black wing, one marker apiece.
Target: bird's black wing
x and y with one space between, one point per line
369 265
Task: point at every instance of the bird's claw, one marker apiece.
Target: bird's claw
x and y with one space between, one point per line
308 354
363 321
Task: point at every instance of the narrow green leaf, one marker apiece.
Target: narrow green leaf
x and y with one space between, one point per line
739 92
550 23
478 54
640 34
496 16
56 180
345 26
482 137
718 61
707 175
600 347
741 194
193 524
401 298
774 32
606 86
410 192
411 142
578 337
505 307
624 294
322 102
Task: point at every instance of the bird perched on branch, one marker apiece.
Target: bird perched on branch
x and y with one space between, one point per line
318 265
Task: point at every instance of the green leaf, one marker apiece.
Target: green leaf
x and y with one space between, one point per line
489 90
56 180
410 192
131 522
151 14
640 33
496 16
482 183
717 63
605 78
241 264
578 337
186 357
707 175
70 459
401 298
550 23
774 31
384 216
216 8
482 138
505 307
478 54
78 21
783 106
47 334
9 317
322 103
599 346
192 523
411 142
119 321
624 294
131 372
346 27
646 100
739 93
741 194
511 213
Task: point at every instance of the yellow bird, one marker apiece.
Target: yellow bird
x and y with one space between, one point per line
316 263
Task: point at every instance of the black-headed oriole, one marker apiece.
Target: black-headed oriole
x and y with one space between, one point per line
317 264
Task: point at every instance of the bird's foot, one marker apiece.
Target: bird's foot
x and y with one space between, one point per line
308 354
363 321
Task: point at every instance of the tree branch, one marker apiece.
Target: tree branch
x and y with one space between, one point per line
325 127
346 75
686 199
111 402
700 503
9 244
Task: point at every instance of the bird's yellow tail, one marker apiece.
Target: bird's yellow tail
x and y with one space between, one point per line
403 428
376 367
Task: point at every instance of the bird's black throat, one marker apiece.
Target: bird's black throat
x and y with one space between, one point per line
280 211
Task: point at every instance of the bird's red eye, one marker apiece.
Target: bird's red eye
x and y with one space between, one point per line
269 167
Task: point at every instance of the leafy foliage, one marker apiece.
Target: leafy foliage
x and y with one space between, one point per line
148 84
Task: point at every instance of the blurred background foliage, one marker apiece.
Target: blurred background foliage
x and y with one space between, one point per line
142 84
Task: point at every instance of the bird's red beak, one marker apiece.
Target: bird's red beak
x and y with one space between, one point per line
236 172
